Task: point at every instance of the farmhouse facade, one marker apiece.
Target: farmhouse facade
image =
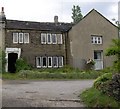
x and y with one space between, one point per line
54 45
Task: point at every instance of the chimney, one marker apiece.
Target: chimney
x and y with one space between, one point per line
55 19
2 14
2 11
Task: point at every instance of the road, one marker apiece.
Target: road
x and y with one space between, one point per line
17 93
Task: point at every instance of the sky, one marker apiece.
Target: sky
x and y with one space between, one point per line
45 10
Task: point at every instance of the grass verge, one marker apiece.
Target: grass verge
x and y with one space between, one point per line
52 74
94 98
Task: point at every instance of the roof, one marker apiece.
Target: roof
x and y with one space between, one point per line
43 26
99 14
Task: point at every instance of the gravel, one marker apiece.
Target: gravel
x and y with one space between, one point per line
27 93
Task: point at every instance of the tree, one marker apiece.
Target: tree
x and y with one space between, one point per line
76 14
115 50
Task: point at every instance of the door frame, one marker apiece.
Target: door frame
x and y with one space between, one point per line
11 50
99 60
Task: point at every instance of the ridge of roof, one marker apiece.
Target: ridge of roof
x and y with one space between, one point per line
99 14
36 21
19 24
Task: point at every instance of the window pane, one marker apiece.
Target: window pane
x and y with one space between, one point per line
54 39
55 62
44 62
15 37
38 62
59 38
26 37
49 61
49 39
96 40
43 38
20 37
97 55
60 59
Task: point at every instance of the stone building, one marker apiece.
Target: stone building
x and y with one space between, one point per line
54 45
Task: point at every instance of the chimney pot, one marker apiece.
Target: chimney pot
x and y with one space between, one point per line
55 19
2 9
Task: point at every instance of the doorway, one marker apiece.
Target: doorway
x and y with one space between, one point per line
12 57
98 58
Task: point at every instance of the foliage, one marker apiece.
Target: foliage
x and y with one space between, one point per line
94 98
61 73
90 64
115 50
76 14
102 79
10 76
2 61
21 64
109 84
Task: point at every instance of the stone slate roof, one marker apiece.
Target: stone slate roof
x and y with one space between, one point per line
43 26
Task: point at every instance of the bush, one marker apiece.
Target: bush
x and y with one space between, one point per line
109 85
114 87
22 64
102 79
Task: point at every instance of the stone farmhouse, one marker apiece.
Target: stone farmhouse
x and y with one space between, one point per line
56 44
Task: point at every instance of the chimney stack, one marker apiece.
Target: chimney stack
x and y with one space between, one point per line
2 14
55 19
2 9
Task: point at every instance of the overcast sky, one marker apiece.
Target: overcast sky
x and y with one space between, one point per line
45 10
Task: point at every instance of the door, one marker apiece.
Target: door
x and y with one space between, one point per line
98 58
12 57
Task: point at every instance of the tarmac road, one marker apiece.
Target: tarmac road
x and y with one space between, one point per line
28 93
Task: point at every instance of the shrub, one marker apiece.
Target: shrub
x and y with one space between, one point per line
109 85
21 64
102 79
114 86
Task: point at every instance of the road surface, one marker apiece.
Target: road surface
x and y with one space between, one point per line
19 93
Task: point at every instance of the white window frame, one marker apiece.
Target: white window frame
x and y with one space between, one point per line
61 61
50 66
95 40
20 37
15 38
56 63
43 35
26 35
42 62
48 34
59 39
55 39
37 62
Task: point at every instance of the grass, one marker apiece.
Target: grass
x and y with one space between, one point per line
94 98
62 73
58 73
11 76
